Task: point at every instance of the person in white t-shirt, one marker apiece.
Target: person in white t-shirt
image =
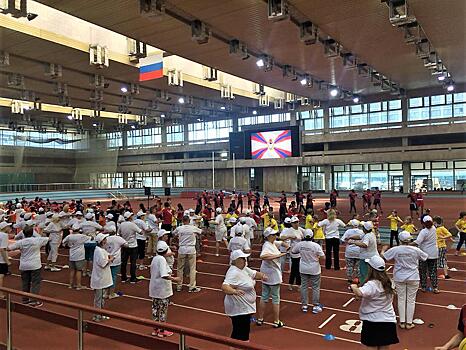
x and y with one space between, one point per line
376 310
153 223
309 268
270 266
160 288
367 248
141 237
113 246
294 235
101 277
240 294
352 251
405 276
427 242
128 231
220 230
110 226
30 264
5 228
239 243
75 241
162 235
89 228
55 232
332 239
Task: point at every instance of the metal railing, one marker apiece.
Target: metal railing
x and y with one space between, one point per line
48 187
182 332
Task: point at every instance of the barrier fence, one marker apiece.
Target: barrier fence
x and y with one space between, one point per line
83 326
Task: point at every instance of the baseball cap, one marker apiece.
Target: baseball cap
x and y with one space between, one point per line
269 231
308 233
109 216
238 253
427 218
368 225
287 220
27 216
354 222
162 246
242 220
19 205
41 210
48 214
247 212
100 237
78 213
405 236
140 213
89 216
4 224
232 220
162 232
127 214
62 214
294 219
186 213
191 210
376 262
218 210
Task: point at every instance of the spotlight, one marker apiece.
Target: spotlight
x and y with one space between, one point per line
260 63
133 126
254 112
69 117
162 115
31 16
303 81
356 99
124 89
334 92
450 86
181 100
94 124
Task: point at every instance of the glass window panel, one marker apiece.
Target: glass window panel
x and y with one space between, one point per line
417 166
342 181
460 164
441 111
356 109
375 107
443 179
394 104
379 179
437 100
356 167
415 102
359 181
459 110
439 165
460 97
338 168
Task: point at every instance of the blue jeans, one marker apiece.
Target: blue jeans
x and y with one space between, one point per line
314 282
115 270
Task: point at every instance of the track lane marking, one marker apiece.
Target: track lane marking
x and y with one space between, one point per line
322 325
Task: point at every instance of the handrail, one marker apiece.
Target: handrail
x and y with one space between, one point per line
182 331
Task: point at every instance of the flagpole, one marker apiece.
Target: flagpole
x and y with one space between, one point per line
213 170
234 172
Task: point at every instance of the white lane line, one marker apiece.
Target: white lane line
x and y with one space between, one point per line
389 268
348 302
327 321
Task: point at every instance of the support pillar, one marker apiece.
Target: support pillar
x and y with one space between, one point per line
293 117
406 177
328 183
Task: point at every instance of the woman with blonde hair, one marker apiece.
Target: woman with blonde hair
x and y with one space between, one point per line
332 239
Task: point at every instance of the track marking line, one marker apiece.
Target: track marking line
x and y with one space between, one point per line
348 302
389 268
322 325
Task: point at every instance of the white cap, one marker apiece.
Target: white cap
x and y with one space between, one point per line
238 253
100 237
191 210
308 233
294 219
78 213
62 214
89 216
186 212
4 224
427 218
269 231
287 220
55 216
19 205
162 232
247 212
368 225
162 246
27 216
405 236
242 220
41 210
354 222
48 214
140 213
218 210
376 262
232 220
109 216
127 214
90 210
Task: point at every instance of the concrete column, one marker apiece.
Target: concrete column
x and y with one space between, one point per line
125 180
326 120
406 177
164 135
328 178
404 112
325 146
404 142
186 155
164 178
124 139
235 124
293 117
185 134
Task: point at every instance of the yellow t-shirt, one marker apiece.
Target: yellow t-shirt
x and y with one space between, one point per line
394 220
266 219
442 233
408 227
228 217
318 232
309 222
461 223
273 223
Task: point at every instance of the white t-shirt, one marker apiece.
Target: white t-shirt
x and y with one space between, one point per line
310 253
406 262
331 227
293 237
251 222
30 252
271 268
427 242
220 221
144 228
128 231
4 245
89 228
240 228
55 232
371 241
159 287
153 223
352 251
242 279
75 223
101 275
238 242
187 238
110 227
376 306
76 243
113 247
169 258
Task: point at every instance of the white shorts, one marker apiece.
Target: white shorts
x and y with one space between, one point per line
220 235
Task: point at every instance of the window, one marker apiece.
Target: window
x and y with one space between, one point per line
433 107
107 180
31 138
313 119
313 178
209 131
263 119
175 134
175 178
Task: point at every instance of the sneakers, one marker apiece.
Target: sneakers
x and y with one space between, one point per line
317 309
54 269
194 290
410 326
259 321
179 288
278 324
46 267
113 296
304 308
164 333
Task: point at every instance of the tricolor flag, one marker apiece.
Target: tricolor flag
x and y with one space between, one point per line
271 144
151 67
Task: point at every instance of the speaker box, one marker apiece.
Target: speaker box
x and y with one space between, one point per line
147 191
168 191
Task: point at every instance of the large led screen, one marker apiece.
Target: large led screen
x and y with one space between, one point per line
271 144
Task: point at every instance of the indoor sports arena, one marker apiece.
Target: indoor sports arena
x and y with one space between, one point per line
232 174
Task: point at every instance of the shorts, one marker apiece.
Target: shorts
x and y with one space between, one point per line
412 207
220 235
89 249
3 269
206 223
141 248
77 265
442 258
115 270
167 227
271 290
378 333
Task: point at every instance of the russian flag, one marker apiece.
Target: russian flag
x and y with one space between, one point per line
151 67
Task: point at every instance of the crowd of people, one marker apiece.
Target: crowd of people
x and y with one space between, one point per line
103 241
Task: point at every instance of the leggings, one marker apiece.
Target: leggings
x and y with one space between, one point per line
332 244
352 268
294 274
394 235
461 241
428 267
160 309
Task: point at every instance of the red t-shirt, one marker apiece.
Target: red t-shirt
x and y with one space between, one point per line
167 216
352 196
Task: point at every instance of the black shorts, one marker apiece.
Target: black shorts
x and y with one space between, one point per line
167 227
378 333
412 207
241 327
206 223
141 248
3 269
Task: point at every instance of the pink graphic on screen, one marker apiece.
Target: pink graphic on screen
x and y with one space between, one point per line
271 144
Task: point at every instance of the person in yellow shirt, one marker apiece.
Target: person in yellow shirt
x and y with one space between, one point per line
409 226
461 227
309 224
394 220
231 214
318 231
442 235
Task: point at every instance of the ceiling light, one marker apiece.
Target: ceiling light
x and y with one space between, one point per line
181 100
334 92
162 115
224 154
356 99
69 117
94 124
260 63
223 108
441 78
133 126
254 112
303 81
124 89
450 87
